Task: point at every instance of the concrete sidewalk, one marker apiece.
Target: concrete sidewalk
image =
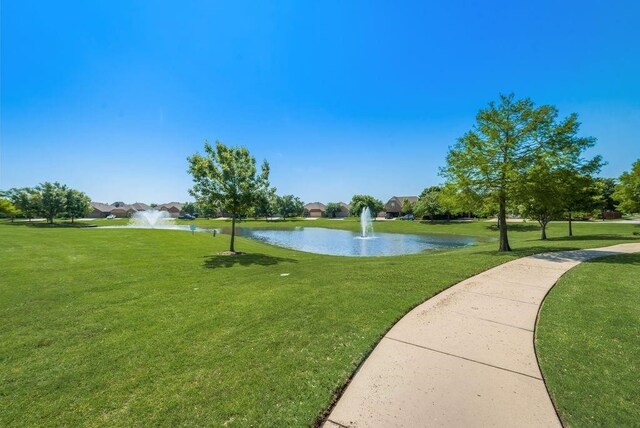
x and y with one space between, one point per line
465 357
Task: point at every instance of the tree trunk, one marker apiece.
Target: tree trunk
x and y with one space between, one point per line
71 219
232 247
543 233
570 226
502 225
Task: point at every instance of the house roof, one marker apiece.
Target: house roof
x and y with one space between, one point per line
168 205
411 199
140 206
124 208
315 206
397 202
105 208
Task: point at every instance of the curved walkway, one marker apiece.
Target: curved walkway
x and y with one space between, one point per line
465 357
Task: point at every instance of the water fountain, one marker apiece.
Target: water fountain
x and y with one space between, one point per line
366 225
151 219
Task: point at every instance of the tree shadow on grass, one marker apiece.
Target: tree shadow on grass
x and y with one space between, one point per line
618 259
224 261
45 225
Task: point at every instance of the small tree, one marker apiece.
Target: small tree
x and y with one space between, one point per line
266 203
577 194
628 190
7 209
604 200
53 199
227 176
77 204
539 197
359 202
333 209
289 206
25 199
190 208
407 207
428 203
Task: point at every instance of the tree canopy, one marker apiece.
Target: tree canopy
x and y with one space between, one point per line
428 204
266 204
289 206
77 204
8 209
359 202
53 199
333 209
508 139
605 189
227 177
627 191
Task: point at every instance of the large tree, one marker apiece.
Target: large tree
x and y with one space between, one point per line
53 199
359 202
628 190
77 204
227 176
509 137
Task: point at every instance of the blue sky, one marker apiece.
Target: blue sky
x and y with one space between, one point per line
110 97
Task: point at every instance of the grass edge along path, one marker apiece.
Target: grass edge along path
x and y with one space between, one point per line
587 343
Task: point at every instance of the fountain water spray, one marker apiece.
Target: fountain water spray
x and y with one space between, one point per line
366 225
151 219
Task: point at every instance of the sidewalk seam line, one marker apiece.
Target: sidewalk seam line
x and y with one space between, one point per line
499 297
488 320
463 358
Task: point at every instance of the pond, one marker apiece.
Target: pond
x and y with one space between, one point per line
346 243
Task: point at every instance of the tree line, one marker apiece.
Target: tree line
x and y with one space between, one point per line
518 158
48 200
524 159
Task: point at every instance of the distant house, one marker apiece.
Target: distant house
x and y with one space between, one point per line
314 209
173 208
121 210
99 210
393 207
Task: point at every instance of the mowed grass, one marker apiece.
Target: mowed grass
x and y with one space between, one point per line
126 327
588 343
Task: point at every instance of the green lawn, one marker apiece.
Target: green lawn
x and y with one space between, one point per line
151 327
588 343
